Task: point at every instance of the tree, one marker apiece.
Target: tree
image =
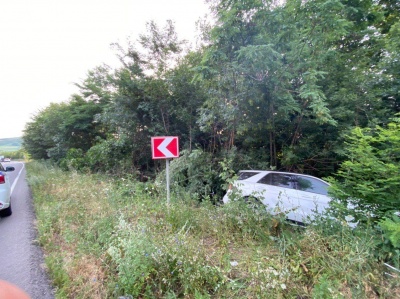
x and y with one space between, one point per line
265 66
187 95
41 135
142 104
276 84
293 77
60 127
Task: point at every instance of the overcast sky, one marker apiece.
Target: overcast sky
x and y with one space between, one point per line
47 45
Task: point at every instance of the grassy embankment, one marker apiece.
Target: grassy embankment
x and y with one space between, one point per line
105 239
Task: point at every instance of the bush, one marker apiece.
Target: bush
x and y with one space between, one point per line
369 178
391 244
74 160
111 156
205 176
150 265
197 172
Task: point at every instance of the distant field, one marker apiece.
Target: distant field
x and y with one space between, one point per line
10 144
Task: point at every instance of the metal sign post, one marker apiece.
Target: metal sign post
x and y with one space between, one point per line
165 147
167 175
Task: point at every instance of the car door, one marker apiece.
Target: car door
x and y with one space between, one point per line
312 197
278 193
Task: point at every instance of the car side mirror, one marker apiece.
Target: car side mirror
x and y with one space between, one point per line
10 168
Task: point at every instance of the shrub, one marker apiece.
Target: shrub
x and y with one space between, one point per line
109 156
150 265
197 172
369 178
391 244
205 175
74 160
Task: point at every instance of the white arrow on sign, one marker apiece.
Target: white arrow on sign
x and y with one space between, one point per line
163 147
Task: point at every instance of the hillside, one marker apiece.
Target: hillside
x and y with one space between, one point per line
10 144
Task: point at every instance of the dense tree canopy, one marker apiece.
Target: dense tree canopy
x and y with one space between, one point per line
276 84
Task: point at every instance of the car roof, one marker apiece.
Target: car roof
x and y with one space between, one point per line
282 172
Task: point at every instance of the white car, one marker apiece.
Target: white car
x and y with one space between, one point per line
5 191
297 196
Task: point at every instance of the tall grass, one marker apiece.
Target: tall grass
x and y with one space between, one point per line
107 238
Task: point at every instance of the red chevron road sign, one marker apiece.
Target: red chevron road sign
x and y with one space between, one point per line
165 147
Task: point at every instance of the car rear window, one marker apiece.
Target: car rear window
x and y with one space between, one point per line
247 174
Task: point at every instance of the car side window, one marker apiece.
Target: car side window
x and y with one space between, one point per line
311 185
278 179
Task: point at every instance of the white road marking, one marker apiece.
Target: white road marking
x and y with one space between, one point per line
16 179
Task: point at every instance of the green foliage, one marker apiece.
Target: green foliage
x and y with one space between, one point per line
327 288
206 176
369 178
59 127
391 228
197 174
278 79
149 266
59 278
38 134
333 247
107 239
391 233
275 85
109 156
74 160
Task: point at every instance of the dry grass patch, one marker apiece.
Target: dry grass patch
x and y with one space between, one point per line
91 278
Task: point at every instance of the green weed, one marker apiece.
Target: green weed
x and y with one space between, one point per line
107 238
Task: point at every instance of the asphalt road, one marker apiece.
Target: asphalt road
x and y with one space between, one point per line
21 259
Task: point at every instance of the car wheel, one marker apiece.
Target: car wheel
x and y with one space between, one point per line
6 212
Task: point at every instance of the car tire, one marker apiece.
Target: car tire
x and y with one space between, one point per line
6 212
